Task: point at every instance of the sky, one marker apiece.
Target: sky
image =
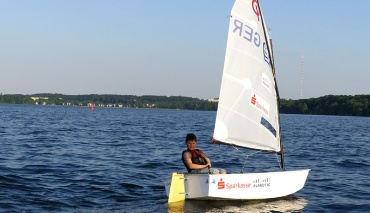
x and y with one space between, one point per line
176 48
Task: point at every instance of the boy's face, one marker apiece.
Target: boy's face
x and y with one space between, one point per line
191 144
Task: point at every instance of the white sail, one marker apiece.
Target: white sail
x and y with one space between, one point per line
247 114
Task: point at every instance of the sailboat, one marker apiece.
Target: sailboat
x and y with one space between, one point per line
247 117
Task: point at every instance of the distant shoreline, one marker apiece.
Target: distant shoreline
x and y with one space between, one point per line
345 105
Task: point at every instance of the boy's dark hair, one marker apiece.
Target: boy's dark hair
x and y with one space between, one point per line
190 137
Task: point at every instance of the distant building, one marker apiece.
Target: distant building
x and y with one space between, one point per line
213 100
38 98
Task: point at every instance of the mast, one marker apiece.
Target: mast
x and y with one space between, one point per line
302 77
272 62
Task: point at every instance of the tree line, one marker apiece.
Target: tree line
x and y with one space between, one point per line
130 101
345 105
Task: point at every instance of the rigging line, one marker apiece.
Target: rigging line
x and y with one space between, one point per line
246 156
276 87
244 153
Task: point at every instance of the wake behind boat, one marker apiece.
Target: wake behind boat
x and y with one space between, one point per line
247 116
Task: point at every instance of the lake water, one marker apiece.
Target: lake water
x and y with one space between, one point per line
72 159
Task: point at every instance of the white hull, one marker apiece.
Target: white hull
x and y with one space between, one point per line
242 186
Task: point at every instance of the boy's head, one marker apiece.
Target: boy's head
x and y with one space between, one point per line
190 137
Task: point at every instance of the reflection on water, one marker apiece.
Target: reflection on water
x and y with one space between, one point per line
177 207
286 204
